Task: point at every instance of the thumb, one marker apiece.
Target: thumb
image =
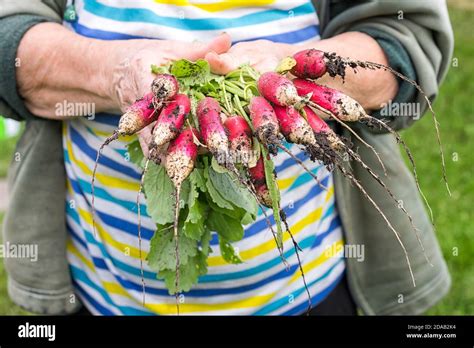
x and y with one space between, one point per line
221 64
219 44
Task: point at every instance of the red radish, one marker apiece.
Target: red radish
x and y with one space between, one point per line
277 89
179 164
313 64
257 176
139 115
340 105
293 126
310 64
164 86
212 130
171 119
266 128
240 138
181 156
316 123
264 120
322 132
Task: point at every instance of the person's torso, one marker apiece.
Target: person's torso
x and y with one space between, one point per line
106 266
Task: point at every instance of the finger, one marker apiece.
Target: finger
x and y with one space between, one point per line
219 44
221 63
268 64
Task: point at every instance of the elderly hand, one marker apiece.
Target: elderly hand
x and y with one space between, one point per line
263 55
132 77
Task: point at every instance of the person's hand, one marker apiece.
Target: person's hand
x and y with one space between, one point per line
371 88
132 76
263 55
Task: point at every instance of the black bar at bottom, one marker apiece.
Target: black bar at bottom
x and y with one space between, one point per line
396 330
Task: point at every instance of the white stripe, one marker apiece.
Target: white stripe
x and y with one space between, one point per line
169 33
191 11
318 287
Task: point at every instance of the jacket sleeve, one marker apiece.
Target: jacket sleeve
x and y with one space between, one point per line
36 211
16 18
421 28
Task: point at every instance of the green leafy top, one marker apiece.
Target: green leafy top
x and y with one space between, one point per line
211 201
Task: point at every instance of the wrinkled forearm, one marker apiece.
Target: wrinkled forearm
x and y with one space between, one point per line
56 65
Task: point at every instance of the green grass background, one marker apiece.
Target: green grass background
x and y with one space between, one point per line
454 216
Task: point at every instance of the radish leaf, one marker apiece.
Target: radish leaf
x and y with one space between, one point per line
228 252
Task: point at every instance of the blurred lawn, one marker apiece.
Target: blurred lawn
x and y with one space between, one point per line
454 216
6 150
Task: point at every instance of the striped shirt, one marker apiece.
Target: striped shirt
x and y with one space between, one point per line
106 266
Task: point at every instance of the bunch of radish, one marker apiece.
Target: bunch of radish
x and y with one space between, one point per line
239 121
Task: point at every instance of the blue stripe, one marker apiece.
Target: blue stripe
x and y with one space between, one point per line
290 161
79 275
108 119
76 238
79 141
97 306
103 34
261 225
320 297
314 299
83 187
122 225
290 37
147 16
314 242
309 242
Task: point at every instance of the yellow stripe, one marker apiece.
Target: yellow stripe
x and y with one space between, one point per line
126 139
329 194
325 255
255 301
270 244
285 183
109 240
106 180
73 250
109 287
217 6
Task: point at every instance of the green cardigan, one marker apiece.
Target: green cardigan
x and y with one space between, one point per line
380 284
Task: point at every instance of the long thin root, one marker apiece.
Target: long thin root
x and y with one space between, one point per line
371 121
142 180
300 265
301 163
371 65
389 224
107 141
176 245
377 178
354 133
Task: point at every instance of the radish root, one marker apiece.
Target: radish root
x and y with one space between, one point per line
107 141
